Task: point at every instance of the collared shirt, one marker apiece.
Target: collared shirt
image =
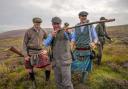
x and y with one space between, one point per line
82 28
37 30
33 39
71 37
49 39
93 35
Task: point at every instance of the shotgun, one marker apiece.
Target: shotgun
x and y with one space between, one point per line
96 22
15 50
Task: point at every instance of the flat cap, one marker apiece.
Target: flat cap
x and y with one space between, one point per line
37 20
66 24
103 18
83 13
56 20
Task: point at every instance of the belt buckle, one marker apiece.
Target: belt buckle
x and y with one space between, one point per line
81 58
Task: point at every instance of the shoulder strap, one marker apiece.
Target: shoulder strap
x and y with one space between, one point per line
90 35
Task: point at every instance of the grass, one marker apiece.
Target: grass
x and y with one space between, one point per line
110 75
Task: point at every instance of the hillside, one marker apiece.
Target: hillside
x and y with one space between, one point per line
17 33
119 32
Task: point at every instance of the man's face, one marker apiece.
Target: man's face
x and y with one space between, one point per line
56 26
37 25
83 18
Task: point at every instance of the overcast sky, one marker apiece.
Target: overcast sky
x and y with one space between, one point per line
16 14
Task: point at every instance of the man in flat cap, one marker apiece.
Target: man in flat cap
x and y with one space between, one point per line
61 56
102 34
84 39
32 48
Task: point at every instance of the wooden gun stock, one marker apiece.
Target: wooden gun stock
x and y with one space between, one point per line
15 50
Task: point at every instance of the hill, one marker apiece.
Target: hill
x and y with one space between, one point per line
17 33
119 32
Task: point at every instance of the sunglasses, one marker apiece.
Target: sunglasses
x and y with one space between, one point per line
84 15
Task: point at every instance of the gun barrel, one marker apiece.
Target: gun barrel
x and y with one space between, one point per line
15 50
96 22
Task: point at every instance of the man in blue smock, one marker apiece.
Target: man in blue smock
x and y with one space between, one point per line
83 39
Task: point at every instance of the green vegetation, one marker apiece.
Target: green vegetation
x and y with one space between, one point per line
112 74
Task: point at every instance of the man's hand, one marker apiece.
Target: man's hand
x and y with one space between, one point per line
109 38
73 45
54 33
67 30
44 54
27 58
92 45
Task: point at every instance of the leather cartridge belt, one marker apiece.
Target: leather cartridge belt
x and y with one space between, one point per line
35 49
83 48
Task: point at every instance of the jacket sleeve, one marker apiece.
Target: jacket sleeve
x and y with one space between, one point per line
94 35
48 40
25 42
106 34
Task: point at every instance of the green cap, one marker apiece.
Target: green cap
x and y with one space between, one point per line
56 20
37 20
66 24
103 18
83 13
